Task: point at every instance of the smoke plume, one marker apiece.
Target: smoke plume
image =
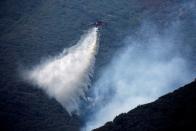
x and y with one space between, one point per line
149 66
66 77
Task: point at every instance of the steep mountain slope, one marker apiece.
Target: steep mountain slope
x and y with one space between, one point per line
26 109
172 112
32 30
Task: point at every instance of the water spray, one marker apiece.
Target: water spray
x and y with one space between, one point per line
66 77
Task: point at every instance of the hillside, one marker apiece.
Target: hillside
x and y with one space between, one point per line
32 31
172 112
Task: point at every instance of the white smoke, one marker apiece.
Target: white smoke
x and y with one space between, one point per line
145 69
66 77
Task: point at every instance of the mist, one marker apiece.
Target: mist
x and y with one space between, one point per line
66 77
149 66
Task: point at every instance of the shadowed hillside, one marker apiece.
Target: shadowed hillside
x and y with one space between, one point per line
172 112
33 30
29 109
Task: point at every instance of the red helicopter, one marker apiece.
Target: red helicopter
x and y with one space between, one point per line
99 23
